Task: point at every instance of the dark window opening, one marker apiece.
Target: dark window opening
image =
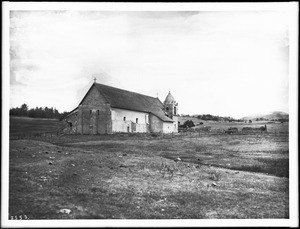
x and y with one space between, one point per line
167 109
174 110
124 118
137 120
90 111
98 112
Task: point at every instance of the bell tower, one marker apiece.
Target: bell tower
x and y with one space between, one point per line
170 106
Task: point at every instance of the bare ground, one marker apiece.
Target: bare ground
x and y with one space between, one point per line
136 177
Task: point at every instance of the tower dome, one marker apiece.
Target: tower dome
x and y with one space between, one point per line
169 98
170 106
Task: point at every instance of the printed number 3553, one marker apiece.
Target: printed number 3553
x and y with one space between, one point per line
19 217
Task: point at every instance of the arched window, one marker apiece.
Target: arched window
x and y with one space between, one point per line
124 119
174 110
136 120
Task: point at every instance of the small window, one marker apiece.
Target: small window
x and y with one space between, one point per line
90 111
174 110
167 108
124 119
98 112
136 120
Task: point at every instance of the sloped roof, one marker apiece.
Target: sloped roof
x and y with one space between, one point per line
119 98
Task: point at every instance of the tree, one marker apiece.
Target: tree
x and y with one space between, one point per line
37 112
24 107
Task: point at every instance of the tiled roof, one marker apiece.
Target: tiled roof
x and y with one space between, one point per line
119 98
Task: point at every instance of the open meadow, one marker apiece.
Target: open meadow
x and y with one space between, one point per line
190 175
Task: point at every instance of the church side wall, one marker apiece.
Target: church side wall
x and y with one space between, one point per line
129 125
94 114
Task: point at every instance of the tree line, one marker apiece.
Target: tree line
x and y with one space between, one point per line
37 112
210 117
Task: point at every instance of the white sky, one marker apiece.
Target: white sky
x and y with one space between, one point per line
220 63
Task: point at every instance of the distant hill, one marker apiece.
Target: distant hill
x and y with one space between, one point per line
276 115
197 118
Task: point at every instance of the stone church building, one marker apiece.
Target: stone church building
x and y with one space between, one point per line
108 110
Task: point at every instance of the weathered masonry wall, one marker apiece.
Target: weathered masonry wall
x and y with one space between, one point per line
129 121
94 114
156 125
72 123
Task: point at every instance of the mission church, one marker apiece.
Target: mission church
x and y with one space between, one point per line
107 110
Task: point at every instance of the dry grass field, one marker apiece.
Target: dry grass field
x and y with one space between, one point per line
137 176
24 126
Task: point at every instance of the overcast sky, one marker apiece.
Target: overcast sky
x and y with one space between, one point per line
221 63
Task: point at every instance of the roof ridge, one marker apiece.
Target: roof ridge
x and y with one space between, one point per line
127 91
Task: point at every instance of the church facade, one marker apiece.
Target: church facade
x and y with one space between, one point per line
108 110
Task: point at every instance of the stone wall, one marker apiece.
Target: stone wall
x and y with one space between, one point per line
171 109
94 114
71 123
156 125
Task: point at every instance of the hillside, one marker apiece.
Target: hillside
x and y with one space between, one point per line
273 115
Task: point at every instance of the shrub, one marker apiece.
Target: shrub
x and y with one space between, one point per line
187 124
200 148
167 171
215 175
